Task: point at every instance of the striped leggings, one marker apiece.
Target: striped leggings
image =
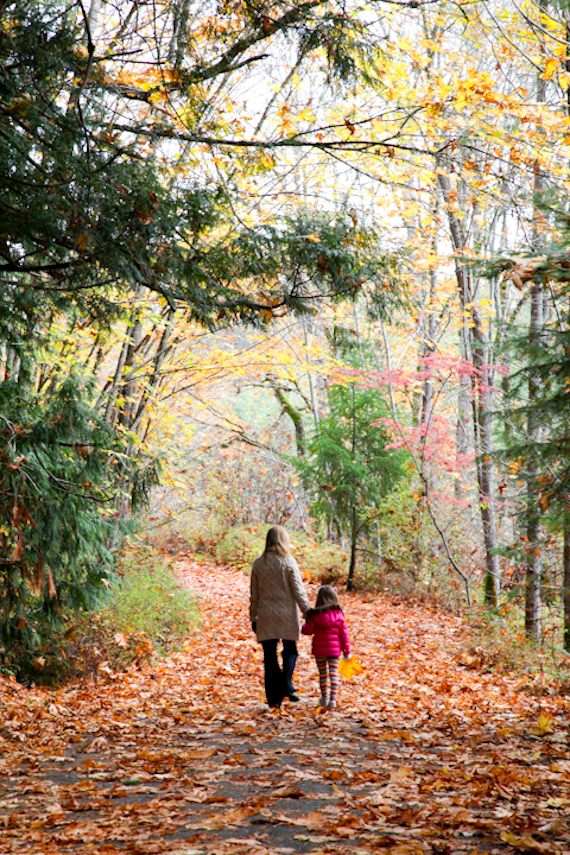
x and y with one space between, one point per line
328 668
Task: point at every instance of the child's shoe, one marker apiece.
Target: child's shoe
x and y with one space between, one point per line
322 703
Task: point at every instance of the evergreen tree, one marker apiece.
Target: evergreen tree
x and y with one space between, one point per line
57 501
545 361
348 468
537 405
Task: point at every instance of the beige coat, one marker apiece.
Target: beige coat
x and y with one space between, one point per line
276 595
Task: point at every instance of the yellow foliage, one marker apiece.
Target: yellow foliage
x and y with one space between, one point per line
544 724
550 67
347 668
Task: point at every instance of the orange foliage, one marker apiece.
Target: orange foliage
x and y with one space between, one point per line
424 755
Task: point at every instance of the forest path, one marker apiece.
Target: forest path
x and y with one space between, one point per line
423 756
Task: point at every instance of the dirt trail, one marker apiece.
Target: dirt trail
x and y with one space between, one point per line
423 756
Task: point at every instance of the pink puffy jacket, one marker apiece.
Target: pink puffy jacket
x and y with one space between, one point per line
329 630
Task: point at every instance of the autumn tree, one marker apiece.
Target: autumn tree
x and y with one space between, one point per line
111 220
488 148
145 189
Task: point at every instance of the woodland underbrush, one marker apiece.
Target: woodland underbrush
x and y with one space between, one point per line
497 642
434 587
404 574
148 615
239 546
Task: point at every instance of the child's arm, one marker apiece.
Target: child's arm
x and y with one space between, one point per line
308 627
344 642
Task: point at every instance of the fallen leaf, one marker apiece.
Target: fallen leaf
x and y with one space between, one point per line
528 843
98 744
401 775
288 791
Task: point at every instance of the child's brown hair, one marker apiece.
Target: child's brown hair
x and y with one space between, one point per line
326 598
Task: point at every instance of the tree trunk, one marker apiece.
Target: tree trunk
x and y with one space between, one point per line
153 383
128 388
532 616
296 417
566 560
478 349
353 539
312 390
486 477
430 334
112 386
566 585
463 439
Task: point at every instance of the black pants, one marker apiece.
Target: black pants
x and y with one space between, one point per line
278 682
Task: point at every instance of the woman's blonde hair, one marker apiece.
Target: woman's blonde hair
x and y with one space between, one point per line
278 541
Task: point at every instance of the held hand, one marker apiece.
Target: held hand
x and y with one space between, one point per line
254 626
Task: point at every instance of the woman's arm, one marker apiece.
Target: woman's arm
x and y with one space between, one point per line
297 587
253 595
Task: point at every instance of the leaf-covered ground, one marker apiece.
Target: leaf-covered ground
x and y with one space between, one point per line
425 755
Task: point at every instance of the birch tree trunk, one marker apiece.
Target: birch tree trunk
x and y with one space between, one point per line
532 618
479 350
532 622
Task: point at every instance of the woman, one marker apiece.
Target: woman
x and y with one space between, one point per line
277 593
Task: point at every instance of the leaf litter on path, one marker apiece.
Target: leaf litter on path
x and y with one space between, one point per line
424 755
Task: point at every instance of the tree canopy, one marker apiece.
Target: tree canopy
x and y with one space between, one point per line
194 199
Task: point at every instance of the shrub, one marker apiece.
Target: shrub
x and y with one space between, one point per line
149 615
325 563
496 641
413 565
240 546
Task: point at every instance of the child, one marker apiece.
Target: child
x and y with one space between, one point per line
327 624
